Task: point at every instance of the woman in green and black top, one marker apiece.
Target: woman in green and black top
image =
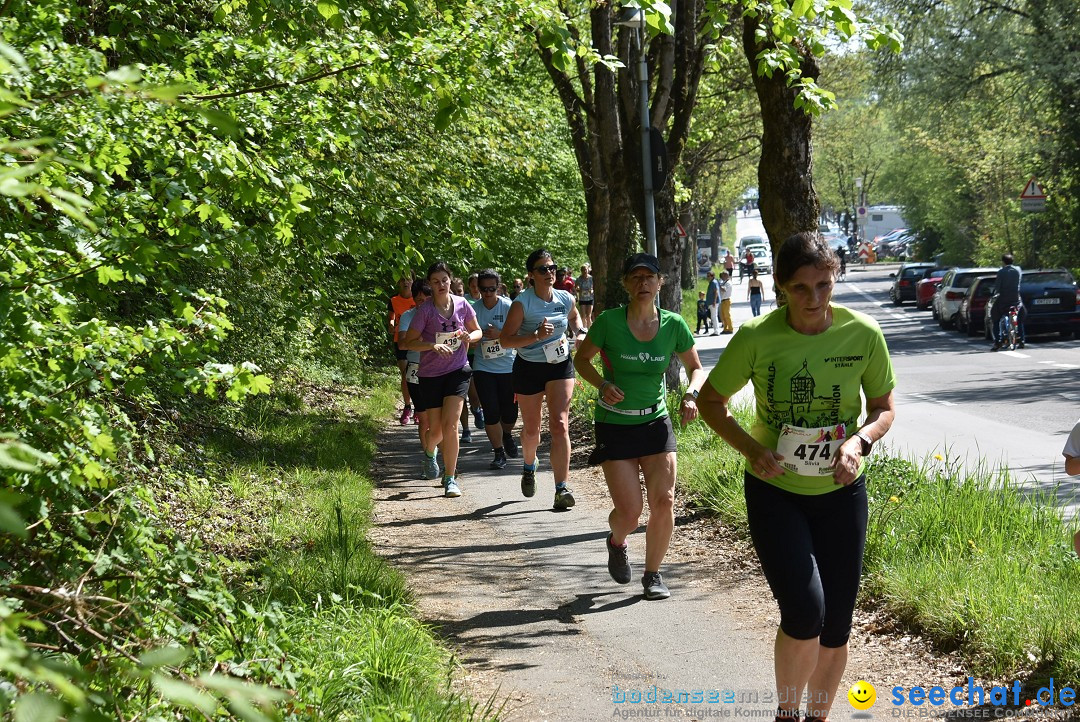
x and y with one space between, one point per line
633 431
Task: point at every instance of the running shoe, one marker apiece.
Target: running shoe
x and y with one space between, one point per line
478 418
466 435
430 467
564 498
416 418
510 445
654 586
499 462
618 563
406 416
450 488
528 482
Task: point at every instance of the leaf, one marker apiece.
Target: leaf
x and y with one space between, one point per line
170 656
108 274
11 522
169 93
799 8
223 122
37 707
185 694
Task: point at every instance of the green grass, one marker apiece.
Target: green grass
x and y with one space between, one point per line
971 561
329 620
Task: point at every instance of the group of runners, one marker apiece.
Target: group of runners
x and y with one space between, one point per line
810 363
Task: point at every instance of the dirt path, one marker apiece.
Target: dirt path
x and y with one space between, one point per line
522 593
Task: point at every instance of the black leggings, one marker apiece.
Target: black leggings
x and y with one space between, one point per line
496 392
811 550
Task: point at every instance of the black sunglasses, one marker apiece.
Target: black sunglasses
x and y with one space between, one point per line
488 289
546 269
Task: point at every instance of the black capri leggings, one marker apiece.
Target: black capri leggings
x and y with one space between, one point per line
811 550
496 392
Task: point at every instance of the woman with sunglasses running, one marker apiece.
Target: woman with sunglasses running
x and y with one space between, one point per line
536 326
493 370
443 329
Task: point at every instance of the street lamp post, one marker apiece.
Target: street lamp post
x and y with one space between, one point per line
632 17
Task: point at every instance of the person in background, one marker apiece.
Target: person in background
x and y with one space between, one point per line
457 287
702 313
493 371
633 431
749 262
755 289
729 265
712 300
585 296
725 302
536 325
1007 294
519 286
443 328
804 484
564 280
503 291
474 291
1071 452
398 305
421 292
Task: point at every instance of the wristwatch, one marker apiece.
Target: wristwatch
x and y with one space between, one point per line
691 394
867 443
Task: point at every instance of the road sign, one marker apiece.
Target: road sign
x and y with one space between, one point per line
1033 199
1033 190
679 230
861 215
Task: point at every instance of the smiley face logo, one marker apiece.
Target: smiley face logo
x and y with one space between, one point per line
862 695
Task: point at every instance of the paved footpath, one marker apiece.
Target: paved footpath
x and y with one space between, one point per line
522 593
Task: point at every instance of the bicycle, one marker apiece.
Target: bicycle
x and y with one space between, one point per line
1009 330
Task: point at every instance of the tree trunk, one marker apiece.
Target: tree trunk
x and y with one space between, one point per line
787 198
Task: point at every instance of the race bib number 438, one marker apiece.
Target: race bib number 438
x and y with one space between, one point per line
809 452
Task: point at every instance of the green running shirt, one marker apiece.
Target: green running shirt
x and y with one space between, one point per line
635 367
805 381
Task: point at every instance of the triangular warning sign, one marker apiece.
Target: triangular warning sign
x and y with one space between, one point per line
1033 190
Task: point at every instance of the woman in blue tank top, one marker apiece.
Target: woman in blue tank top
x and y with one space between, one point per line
536 325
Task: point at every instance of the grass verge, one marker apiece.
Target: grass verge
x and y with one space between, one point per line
284 497
969 560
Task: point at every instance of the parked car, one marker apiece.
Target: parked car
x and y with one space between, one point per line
954 285
762 258
904 280
924 289
1052 301
969 319
751 241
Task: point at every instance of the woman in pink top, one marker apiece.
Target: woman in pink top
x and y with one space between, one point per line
442 329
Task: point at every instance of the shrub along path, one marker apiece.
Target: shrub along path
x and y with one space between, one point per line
522 594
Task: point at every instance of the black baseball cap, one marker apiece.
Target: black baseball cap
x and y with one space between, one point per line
641 260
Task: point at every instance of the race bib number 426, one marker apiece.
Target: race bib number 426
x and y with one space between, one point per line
809 452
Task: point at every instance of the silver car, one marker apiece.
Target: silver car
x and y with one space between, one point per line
951 292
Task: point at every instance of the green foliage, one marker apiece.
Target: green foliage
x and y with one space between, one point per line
197 197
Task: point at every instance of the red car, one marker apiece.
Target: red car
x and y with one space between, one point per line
924 289
969 319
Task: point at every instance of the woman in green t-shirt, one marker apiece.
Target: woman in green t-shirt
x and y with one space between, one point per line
633 431
810 363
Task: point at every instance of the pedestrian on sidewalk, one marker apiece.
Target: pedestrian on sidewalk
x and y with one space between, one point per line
536 326
702 313
729 265
493 370
442 329
804 484
726 289
755 289
633 431
712 300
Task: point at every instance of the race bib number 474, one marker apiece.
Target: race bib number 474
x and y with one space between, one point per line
809 452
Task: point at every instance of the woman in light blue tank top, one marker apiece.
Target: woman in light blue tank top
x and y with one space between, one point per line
536 326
